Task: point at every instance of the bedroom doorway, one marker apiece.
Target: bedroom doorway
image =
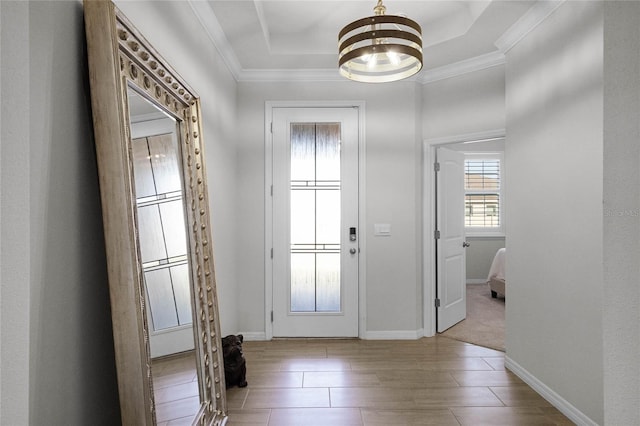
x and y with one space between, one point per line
483 244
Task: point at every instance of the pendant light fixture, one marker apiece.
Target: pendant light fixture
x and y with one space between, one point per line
380 48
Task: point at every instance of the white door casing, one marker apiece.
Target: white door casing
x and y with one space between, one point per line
342 322
451 273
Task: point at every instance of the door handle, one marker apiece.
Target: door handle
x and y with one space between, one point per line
466 244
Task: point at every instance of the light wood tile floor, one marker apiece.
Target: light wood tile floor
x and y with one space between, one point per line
316 382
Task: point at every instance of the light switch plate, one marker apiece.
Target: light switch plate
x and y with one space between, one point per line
382 229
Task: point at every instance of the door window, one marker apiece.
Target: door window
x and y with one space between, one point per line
315 217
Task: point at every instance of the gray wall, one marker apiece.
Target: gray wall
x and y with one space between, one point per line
555 224
479 256
55 293
620 292
467 103
15 269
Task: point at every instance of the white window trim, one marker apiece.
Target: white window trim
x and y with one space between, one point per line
498 231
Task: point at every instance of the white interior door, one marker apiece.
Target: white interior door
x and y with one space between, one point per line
450 245
315 222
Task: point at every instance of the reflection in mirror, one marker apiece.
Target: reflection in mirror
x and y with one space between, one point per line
163 246
161 227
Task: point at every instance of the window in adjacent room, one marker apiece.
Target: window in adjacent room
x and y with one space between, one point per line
484 198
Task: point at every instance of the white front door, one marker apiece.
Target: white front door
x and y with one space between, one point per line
450 244
315 222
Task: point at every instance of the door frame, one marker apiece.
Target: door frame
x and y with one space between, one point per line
429 261
268 210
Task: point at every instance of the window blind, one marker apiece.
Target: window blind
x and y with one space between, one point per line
482 193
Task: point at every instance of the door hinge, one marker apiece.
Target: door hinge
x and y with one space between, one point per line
436 234
272 190
271 316
271 127
272 253
436 167
437 305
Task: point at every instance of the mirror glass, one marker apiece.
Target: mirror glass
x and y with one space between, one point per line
161 227
162 234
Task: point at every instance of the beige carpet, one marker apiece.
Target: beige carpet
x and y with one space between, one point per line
484 324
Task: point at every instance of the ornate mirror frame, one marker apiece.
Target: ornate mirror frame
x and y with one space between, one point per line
119 57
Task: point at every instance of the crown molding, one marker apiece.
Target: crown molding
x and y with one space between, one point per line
209 22
465 66
540 11
468 137
152 116
263 23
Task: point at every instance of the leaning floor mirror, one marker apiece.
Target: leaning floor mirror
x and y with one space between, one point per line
150 153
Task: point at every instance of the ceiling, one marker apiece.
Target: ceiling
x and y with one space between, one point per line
287 37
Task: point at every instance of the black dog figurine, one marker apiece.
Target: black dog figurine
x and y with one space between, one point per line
235 366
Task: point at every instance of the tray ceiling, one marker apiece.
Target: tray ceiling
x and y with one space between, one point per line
302 34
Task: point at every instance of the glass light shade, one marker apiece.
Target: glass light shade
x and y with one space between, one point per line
380 49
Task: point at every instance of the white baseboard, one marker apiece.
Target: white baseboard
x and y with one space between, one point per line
575 415
476 281
255 336
369 335
394 335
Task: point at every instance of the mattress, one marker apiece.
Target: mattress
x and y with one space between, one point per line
496 279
